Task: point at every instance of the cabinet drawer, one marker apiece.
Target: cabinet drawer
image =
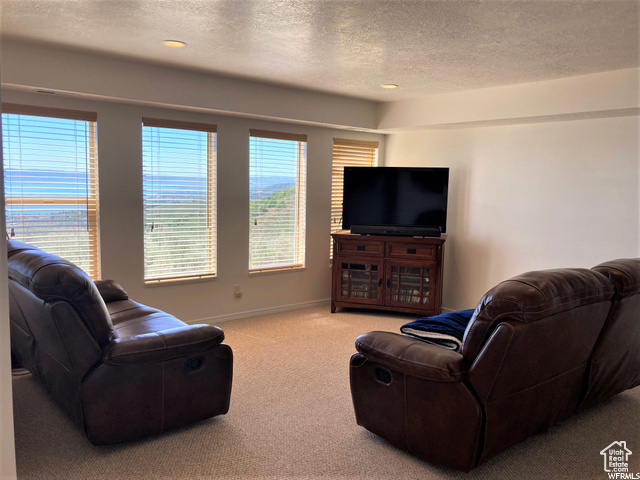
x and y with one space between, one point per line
364 247
412 250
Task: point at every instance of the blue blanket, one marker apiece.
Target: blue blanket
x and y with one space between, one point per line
445 330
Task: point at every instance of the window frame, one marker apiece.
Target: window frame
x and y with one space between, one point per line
345 153
301 199
211 181
91 200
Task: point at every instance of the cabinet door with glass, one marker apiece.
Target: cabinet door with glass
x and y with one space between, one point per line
359 280
411 284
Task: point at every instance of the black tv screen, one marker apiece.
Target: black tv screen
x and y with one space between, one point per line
395 197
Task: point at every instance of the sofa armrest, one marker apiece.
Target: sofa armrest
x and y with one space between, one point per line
162 345
411 356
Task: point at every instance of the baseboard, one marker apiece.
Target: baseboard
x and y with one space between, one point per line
262 311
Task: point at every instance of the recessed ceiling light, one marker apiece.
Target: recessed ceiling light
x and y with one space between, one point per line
174 43
389 85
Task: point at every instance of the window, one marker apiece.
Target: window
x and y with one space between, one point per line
51 181
277 191
179 197
347 153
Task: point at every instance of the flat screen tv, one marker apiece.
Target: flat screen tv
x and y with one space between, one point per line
395 200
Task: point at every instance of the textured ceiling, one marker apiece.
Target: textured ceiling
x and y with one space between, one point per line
348 47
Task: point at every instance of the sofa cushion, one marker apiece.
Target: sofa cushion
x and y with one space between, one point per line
51 278
533 296
110 290
624 274
132 318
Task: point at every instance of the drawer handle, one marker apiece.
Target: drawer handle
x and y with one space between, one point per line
360 248
379 283
411 250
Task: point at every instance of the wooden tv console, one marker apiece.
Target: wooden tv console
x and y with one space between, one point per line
403 274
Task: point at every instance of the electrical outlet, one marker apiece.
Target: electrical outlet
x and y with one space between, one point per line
237 293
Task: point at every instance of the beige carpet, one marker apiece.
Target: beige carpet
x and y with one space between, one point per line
291 417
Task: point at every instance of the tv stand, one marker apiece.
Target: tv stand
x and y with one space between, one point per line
402 274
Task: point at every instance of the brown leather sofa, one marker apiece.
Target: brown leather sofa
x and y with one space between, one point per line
120 369
539 347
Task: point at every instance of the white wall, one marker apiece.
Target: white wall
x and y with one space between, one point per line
120 178
528 197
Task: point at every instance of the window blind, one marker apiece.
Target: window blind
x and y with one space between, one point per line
51 181
347 153
179 200
277 200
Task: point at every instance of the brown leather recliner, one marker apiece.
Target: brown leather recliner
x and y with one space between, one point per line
526 361
120 369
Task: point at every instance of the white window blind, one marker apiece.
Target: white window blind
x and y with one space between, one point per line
277 190
347 153
51 181
179 197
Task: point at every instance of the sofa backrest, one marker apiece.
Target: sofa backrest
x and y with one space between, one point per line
531 297
53 279
615 363
527 348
